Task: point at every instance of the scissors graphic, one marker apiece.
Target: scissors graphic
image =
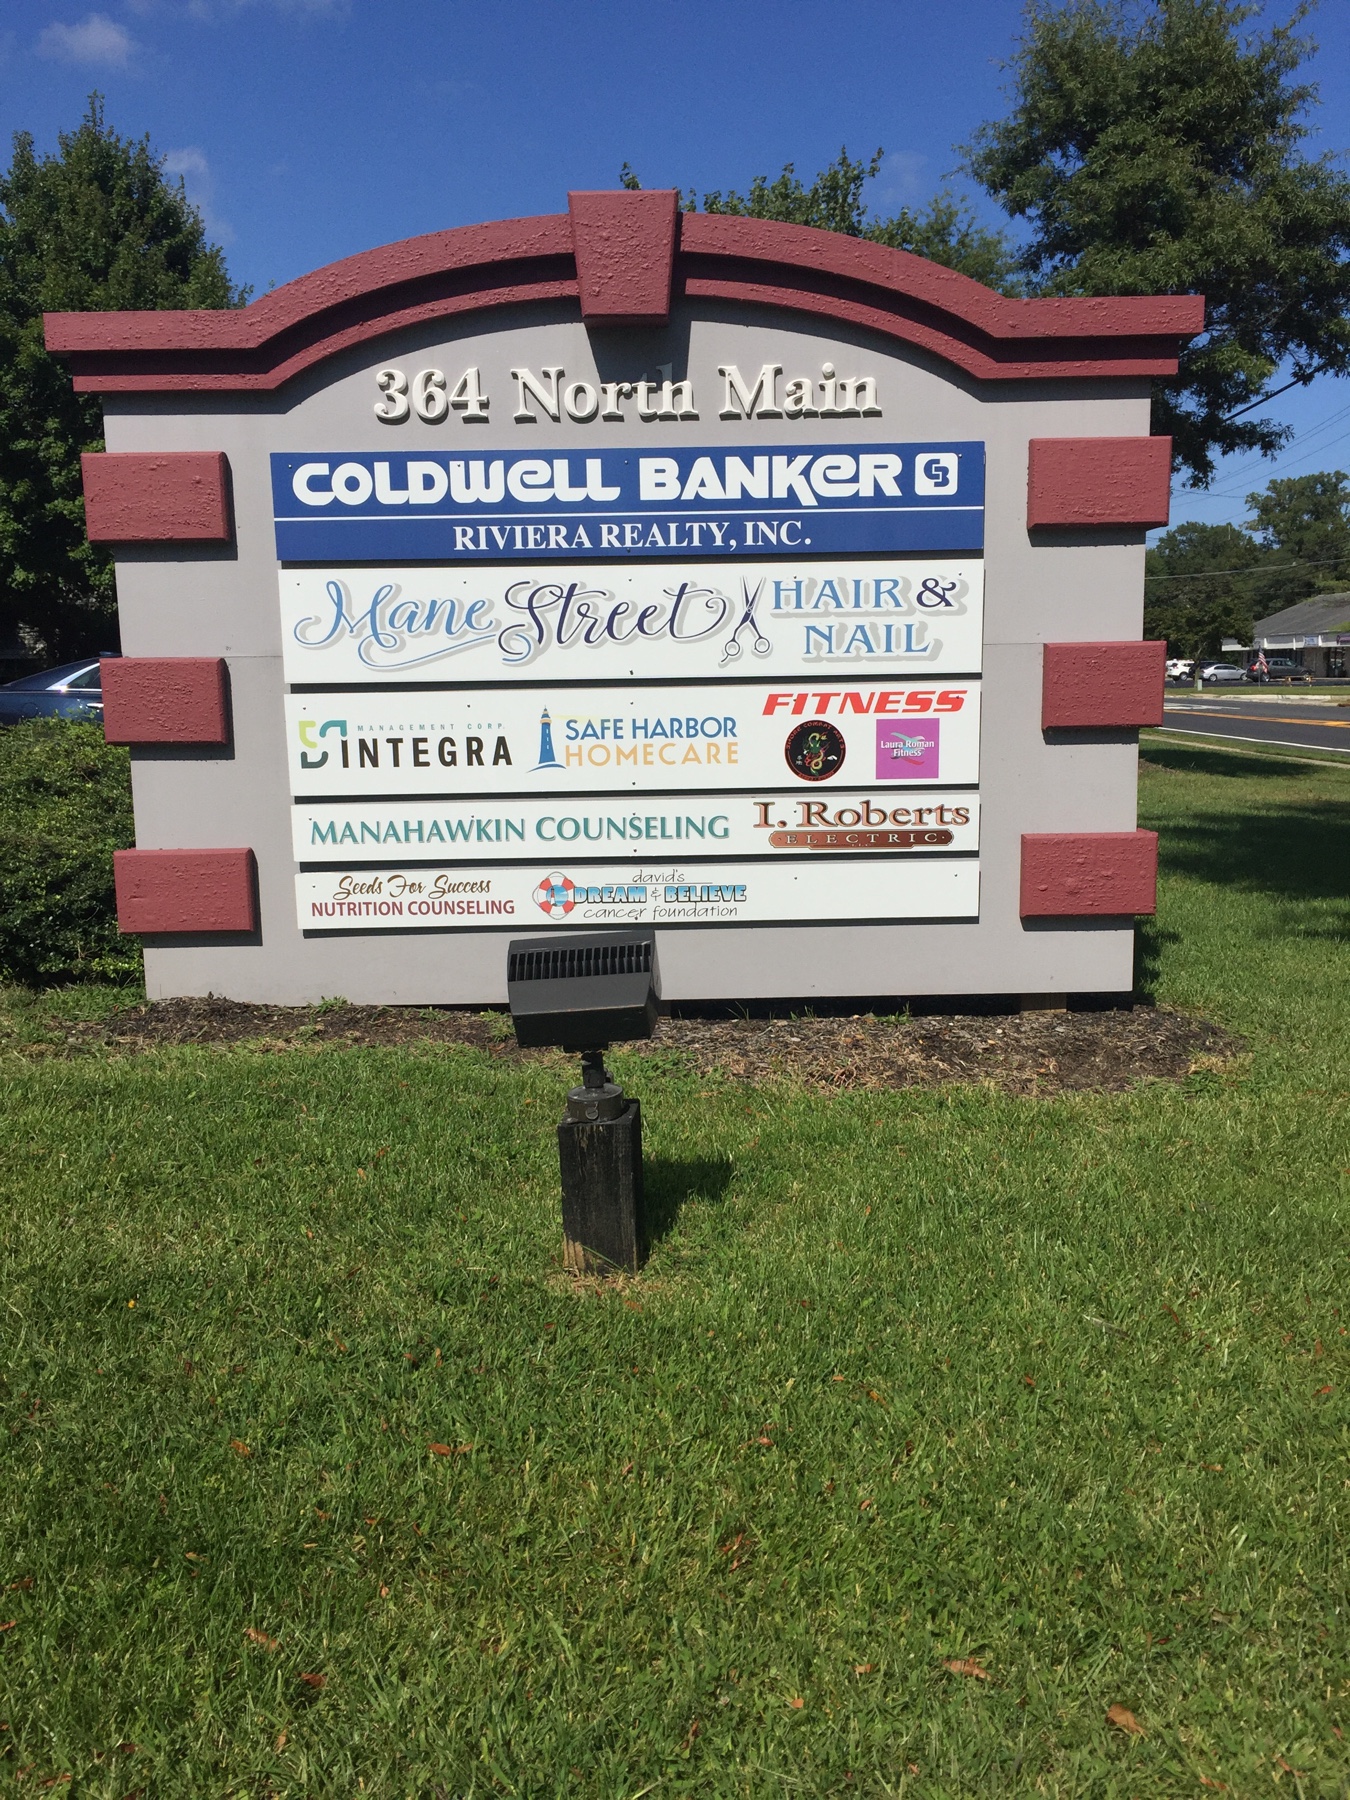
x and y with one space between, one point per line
759 644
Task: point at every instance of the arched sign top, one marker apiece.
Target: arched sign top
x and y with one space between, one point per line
623 258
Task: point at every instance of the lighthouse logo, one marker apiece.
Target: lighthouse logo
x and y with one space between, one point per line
547 757
556 895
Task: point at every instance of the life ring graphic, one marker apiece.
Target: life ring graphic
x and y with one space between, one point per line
556 895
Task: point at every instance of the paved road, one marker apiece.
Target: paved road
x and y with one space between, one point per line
1304 724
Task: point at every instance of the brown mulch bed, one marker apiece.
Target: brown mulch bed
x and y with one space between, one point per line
1022 1053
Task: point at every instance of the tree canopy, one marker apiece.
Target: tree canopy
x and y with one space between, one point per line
1200 587
1154 147
945 231
1306 519
1207 582
1151 147
95 227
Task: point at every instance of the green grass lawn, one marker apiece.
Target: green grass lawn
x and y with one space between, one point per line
317 1478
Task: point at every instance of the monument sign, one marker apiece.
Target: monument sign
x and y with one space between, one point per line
775 590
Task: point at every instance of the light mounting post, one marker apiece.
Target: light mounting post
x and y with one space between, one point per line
580 994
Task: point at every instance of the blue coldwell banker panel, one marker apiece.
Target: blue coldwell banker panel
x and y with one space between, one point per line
402 506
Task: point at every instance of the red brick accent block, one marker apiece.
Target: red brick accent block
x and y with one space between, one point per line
165 700
1103 685
624 244
1099 481
185 890
1089 874
168 497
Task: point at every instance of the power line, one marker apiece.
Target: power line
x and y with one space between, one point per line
1260 463
1299 562
1274 394
1281 462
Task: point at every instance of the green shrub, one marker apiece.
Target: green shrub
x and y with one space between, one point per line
65 806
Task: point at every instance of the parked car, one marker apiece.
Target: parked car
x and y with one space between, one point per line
1180 668
73 691
1219 672
1280 668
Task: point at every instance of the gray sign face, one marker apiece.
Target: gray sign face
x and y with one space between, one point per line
534 688
530 632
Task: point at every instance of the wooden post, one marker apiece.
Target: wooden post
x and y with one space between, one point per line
602 1193
600 1152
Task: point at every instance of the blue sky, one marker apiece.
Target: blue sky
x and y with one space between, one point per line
308 129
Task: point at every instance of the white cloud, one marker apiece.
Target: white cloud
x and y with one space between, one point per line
206 12
902 180
96 39
198 10
191 164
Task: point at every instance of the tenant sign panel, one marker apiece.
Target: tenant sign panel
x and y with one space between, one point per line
651 739
666 618
640 892
349 504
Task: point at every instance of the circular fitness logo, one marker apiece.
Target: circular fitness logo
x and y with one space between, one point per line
556 895
815 750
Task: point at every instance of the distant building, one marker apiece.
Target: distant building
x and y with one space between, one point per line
1315 634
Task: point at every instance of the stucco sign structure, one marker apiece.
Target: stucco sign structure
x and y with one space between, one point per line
774 588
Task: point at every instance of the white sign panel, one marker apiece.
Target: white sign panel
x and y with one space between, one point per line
839 822
605 740
916 615
635 893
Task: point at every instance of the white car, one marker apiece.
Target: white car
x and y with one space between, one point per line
1180 668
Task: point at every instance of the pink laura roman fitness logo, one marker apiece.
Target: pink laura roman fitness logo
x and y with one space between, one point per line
907 750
